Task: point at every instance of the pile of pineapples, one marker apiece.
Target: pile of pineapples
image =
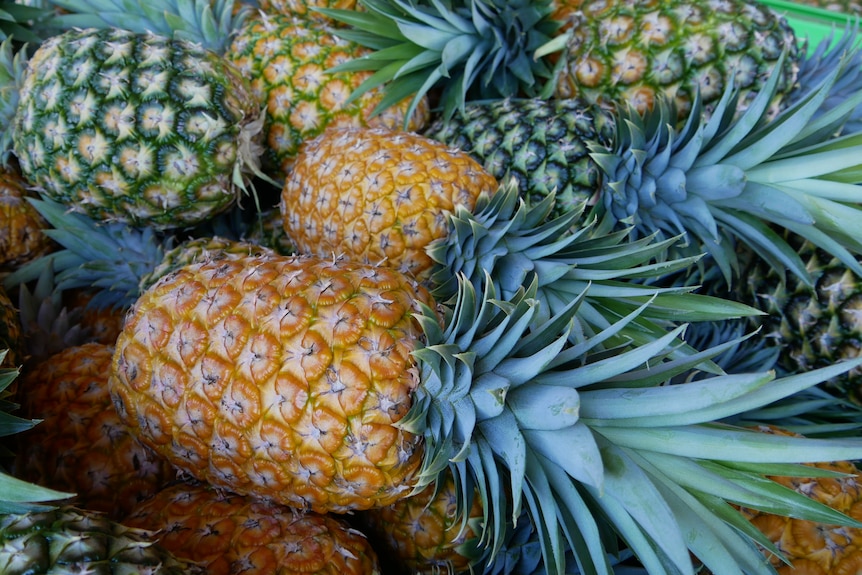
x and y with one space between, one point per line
443 286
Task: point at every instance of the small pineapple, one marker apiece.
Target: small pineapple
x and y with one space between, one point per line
544 145
11 333
810 326
70 540
81 444
134 127
230 534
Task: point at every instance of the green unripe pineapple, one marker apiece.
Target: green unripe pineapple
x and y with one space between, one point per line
811 327
134 127
542 144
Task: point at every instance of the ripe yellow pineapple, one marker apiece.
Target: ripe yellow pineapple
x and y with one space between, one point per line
81 445
376 195
812 547
278 376
232 534
427 533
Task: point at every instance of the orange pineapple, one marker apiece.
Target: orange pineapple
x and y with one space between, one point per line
425 533
277 376
376 195
231 534
81 446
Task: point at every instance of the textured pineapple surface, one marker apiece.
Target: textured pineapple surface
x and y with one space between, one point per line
445 331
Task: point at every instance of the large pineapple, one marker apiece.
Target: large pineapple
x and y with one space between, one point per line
231 534
613 53
333 385
81 445
134 127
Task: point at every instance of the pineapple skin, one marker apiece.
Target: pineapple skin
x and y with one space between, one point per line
81 445
377 195
11 333
232 534
423 534
277 377
816 548
287 60
631 52
812 327
71 540
21 235
133 127
541 143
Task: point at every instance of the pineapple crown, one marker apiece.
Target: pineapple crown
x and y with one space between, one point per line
826 57
564 427
472 49
25 23
571 256
210 23
12 67
121 261
110 256
726 180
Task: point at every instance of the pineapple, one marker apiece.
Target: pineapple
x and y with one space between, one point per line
17 496
289 61
21 235
542 144
304 8
36 537
70 540
339 386
809 327
134 127
426 533
721 182
81 445
11 334
613 53
230 534
378 195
